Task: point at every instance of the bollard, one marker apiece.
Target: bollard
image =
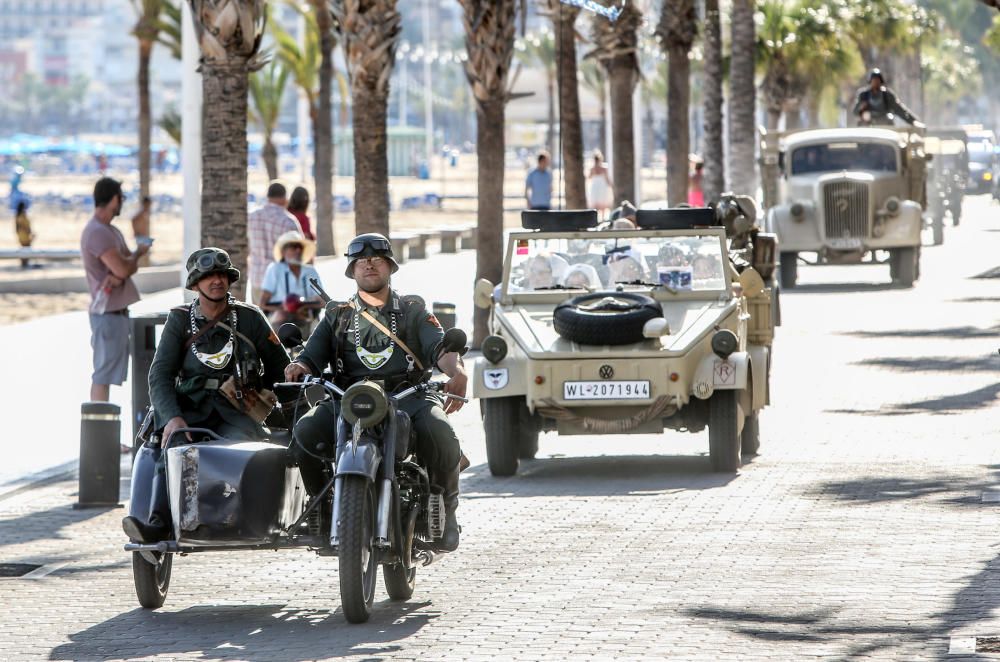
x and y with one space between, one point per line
143 348
100 455
445 314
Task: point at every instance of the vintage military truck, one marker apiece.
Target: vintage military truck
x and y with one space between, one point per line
628 331
846 196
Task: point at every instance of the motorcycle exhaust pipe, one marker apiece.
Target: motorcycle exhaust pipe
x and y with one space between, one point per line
382 519
338 488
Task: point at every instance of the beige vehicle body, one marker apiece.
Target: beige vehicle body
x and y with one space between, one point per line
842 194
674 359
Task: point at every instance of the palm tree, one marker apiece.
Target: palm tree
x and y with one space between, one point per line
591 78
323 129
570 125
489 39
229 34
146 31
369 31
539 50
677 30
616 48
267 88
170 122
170 28
742 100
714 182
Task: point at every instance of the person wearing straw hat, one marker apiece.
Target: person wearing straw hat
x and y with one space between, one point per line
286 295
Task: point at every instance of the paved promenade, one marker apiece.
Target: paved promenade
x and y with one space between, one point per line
867 528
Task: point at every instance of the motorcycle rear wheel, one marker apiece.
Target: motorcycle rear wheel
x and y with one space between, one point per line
151 581
357 554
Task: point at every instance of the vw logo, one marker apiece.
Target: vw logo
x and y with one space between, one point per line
606 372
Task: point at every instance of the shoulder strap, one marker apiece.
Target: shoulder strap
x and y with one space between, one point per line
381 327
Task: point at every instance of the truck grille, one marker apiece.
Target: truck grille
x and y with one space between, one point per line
845 208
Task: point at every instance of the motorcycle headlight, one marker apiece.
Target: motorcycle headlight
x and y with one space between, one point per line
364 404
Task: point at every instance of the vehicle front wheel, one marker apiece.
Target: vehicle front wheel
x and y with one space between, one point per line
789 271
906 265
502 424
152 580
750 437
724 431
357 554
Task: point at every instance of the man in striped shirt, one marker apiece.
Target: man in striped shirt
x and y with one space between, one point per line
264 226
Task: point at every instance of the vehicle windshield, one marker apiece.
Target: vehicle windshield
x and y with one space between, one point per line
692 263
843 156
981 152
944 146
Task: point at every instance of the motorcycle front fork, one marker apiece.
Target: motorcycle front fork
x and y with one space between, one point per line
381 514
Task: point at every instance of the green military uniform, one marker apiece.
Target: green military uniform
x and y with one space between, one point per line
365 352
180 384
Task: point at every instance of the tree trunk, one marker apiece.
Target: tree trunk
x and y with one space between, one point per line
323 134
622 75
602 139
714 182
224 162
570 126
550 135
371 167
270 156
145 117
742 101
678 134
489 211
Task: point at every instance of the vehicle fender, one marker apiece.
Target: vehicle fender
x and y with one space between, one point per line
715 374
905 227
508 377
760 363
795 233
359 459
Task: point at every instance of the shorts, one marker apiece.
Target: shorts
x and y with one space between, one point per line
109 338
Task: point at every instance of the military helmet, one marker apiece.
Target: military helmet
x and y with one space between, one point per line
876 73
206 261
370 244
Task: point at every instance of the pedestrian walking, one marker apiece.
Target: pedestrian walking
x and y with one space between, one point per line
22 226
696 192
601 188
109 266
298 205
538 185
264 226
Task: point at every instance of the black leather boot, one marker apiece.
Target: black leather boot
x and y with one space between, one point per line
146 533
449 483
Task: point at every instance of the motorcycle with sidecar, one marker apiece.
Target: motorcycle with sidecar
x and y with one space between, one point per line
377 507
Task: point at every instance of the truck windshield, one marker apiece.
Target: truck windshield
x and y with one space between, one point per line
981 152
843 156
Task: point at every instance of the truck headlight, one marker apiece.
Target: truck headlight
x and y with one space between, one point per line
494 349
797 210
892 205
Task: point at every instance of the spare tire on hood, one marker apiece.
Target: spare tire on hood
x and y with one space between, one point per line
605 318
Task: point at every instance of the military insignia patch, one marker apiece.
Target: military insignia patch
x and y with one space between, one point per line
274 338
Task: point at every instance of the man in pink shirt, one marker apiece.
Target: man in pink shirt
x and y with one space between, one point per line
109 265
264 226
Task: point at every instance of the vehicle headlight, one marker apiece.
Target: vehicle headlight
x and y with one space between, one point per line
364 404
724 343
987 176
797 210
494 349
892 205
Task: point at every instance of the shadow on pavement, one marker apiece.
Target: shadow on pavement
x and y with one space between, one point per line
840 288
990 362
253 632
976 300
950 490
980 398
946 332
25 529
611 475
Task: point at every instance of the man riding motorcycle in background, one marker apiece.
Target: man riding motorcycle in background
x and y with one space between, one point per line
213 362
876 102
383 336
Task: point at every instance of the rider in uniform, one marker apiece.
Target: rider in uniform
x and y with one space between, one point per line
879 101
209 348
358 349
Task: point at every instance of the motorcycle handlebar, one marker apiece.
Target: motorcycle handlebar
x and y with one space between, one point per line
333 388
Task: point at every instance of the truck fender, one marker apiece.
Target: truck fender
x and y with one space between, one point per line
361 458
715 374
760 364
508 377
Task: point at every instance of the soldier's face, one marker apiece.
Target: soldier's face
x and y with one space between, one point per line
213 286
372 273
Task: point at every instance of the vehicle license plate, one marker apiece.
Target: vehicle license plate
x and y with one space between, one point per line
845 243
610 390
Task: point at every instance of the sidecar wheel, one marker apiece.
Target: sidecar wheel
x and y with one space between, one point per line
151 581
399 581
357 554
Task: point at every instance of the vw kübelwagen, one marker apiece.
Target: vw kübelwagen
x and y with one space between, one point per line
947 176
846 196
625 332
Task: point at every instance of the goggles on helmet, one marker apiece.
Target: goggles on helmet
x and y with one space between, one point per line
356 248
209 261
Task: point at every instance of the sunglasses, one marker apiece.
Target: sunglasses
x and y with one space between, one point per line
207 261
294 247
356 248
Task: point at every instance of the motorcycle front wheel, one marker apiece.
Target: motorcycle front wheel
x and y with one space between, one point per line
357 554
151 580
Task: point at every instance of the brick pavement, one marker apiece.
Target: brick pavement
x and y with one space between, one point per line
858 533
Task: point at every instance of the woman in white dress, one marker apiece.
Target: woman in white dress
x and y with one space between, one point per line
601 189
